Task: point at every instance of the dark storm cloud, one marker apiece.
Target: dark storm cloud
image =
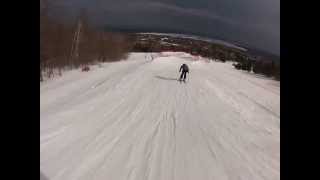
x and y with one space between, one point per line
252 22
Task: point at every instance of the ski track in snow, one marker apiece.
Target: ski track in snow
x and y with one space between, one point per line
133 120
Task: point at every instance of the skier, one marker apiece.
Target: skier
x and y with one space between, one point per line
185 69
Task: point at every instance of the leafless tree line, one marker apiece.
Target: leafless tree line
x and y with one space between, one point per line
65 45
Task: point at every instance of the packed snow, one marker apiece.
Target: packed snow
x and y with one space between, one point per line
132 120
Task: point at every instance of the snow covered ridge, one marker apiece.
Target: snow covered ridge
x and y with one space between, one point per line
221 42
133 120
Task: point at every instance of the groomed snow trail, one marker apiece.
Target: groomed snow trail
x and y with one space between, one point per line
132 120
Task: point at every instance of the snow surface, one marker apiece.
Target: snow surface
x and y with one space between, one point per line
133 120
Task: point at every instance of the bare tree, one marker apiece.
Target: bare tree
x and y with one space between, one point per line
65 45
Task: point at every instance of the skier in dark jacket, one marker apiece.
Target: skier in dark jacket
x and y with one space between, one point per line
185 69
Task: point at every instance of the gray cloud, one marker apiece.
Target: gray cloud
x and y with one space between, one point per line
252 22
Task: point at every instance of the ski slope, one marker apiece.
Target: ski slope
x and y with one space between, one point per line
132 120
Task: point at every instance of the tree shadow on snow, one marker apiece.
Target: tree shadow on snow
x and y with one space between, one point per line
43 177
259 76
167 78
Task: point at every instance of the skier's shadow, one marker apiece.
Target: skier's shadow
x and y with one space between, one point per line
166 78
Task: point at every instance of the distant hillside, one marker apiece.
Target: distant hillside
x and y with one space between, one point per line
194 37
253 52
263 55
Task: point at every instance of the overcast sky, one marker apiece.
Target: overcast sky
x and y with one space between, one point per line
255 23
